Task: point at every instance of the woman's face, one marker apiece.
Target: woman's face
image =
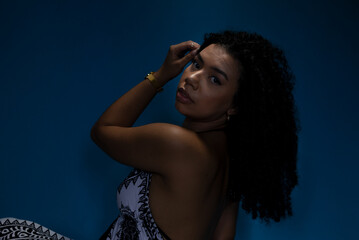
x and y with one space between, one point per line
207 86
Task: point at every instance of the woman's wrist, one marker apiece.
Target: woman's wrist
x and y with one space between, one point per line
154 82
160 78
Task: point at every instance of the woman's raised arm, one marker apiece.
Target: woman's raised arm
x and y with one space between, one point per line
127 108
112 131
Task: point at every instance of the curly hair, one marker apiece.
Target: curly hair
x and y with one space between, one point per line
262 136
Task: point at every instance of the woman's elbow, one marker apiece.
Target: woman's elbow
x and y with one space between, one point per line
94 133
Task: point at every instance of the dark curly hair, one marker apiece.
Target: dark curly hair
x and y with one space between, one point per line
262 136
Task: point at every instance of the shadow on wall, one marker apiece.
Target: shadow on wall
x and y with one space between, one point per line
103 176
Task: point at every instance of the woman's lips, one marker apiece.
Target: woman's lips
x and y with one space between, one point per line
183 97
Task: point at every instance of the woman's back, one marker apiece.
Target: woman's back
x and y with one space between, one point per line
188 203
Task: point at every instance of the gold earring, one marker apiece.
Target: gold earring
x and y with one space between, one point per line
228 117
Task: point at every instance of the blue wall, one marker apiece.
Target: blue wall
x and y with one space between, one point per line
63 62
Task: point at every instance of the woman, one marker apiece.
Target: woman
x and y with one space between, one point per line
238 142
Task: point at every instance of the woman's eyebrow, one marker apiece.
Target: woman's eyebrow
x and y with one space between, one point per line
214 68
200 57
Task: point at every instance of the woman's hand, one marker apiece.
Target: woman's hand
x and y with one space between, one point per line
176 60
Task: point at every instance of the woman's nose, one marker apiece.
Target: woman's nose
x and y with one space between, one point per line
193 80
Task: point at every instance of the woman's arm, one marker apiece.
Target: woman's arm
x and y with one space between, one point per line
140 146
127 108
226 227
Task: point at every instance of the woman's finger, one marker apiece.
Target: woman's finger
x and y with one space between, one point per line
188 57
185 46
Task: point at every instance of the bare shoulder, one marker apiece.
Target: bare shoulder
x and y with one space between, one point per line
174 136
187 152
180 139
159 147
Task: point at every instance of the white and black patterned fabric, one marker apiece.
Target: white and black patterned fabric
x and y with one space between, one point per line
135 221
12 228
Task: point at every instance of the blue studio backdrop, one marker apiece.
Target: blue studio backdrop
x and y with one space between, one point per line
63 62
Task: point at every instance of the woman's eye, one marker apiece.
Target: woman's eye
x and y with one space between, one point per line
215 80
195 64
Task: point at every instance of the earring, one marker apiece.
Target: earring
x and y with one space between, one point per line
228 117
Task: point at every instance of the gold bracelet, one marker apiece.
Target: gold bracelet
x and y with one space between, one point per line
154 82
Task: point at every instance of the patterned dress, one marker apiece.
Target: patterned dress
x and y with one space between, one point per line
135 220
13 228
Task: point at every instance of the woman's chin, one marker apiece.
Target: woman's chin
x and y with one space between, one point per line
179 107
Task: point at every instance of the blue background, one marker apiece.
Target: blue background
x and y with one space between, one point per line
63 62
